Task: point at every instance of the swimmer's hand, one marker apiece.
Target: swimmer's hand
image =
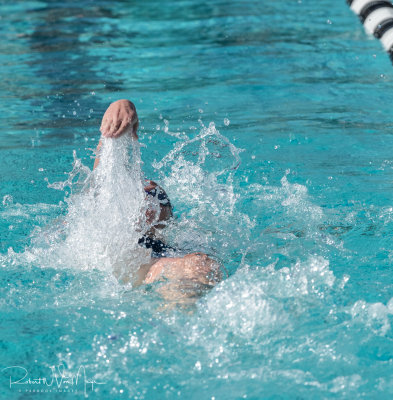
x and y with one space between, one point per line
119 118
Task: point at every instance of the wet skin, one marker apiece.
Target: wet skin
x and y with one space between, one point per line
180 278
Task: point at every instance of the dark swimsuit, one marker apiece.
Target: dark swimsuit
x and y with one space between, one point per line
159 248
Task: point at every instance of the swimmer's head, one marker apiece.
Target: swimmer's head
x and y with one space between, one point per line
157 198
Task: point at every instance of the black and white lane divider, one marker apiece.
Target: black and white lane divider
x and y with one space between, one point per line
377 19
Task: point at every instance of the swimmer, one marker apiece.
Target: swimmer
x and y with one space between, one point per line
183 278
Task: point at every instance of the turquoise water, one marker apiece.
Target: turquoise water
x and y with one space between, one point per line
269 126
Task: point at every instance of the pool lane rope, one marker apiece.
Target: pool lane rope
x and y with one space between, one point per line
377 19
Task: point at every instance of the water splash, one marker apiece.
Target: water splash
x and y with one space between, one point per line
105 209
256 302
107 218
198 174
106 215
375 316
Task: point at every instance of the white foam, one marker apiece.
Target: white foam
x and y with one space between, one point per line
373 315
251 303
105 215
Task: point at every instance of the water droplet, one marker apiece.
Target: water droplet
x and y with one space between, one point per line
7 200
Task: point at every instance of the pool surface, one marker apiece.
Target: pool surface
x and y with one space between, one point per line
269 124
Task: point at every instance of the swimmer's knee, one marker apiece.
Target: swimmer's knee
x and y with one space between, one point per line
206 266
197 257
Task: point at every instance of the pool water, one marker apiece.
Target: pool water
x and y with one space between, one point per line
269 124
